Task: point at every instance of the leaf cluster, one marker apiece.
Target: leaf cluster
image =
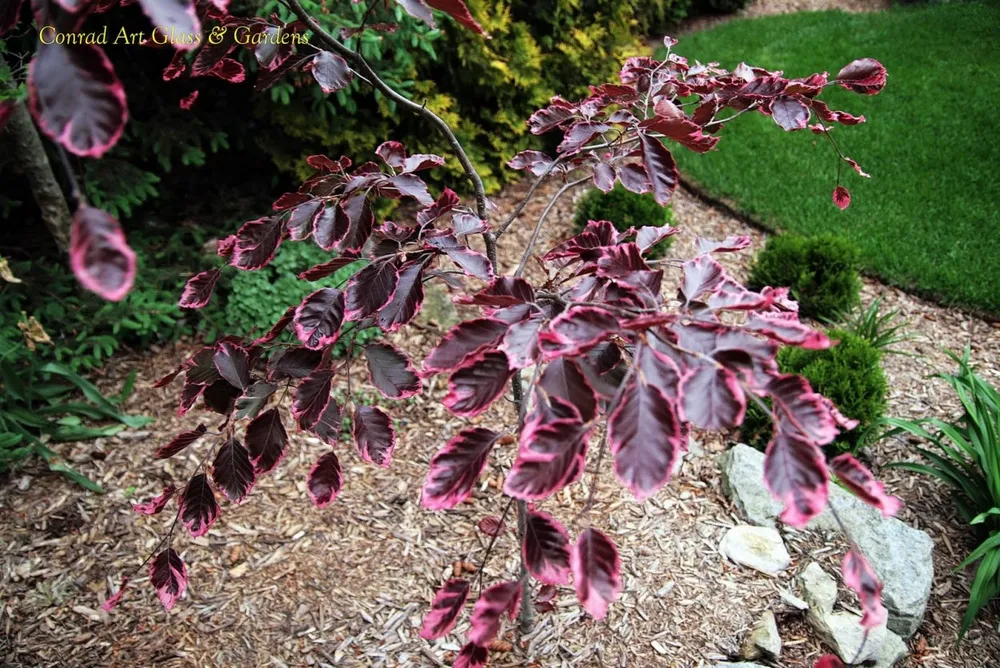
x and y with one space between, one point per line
625 209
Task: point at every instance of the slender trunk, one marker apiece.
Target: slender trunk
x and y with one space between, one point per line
30 157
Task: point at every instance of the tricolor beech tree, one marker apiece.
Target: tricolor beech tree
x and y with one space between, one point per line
622 367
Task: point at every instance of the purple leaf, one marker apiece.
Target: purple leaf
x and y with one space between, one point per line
220 397
551 456
115 598
311 397
491 525
232 471
303 217
580 134
660 167
645 437
233 364
406 299
863 484
800 410
563 378
331 72
787 330
713 398
176 17
701 275
330 424
467 223
374 436
179 442
391 372
796 475
156 505
576 330
596 572
319 317
76 98
790 113
859 576
447 605
329 226
198 290
647 237
635 178
728 245
370 289
604 177
541 122
325 480
545 550
471 655
256 243
99 255
355 215
283 322
463 341
168 575
198 506
494 602
477 384
293 363
327 268
458 11
865 76
455 468
254 399
520 343
392 153
841 197
266 440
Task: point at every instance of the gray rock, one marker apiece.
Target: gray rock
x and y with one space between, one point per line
793 601
818 589
759 548
763 639
900 554
843 632
893 651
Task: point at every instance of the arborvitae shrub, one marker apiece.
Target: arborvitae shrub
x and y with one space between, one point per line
718 6
624 209
822 273
849 374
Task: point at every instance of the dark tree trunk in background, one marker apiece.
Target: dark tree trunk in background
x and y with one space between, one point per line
29 157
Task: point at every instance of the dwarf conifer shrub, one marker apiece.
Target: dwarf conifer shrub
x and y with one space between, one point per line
821 273
625 210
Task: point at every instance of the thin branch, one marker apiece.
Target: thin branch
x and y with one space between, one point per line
520 207
541 219
493 540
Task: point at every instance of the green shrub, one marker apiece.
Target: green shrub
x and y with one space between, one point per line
821 272
624 209
968 461
718 6
849 374
255 300
656 17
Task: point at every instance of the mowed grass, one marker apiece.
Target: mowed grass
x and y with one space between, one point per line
928 218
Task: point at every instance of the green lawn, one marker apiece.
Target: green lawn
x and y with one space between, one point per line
928 218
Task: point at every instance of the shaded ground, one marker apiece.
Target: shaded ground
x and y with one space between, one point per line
277 582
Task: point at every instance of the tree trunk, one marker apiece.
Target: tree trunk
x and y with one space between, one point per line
30 157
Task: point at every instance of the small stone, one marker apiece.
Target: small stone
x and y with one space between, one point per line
759 548
793 601
763 639
818 589
659 647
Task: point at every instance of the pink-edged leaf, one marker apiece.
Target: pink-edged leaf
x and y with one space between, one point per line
865 76
841 197
551 456
283 322
520 343
266 441
374 436
327 268
220 397
495 601
445 608
112 602
796 475
229 69
189 394
579 134
671 122
860 481
577 330
319 317
329 225
644 433
473 263
311 397
370 289
253 400
713 398
462 342
730 244
800 410
168 575
545 550
406 298
467 223
293 363
411 185
634 178
456 467
99 255
179 442
535 162
563 378
647 237
168 378
701 275
859 576
477 384
504 291
604 177
198 290
233 364
789 112
198 506
256 243
457 10
491 525
856 167
421 161
330 423
325 480
541 122
390 371
660 167
787 330
331 72
354 214
156 505
303 217
392 153
232 471
596 572
175 17
76 98
471 655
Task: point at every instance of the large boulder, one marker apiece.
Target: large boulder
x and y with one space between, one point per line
901 555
